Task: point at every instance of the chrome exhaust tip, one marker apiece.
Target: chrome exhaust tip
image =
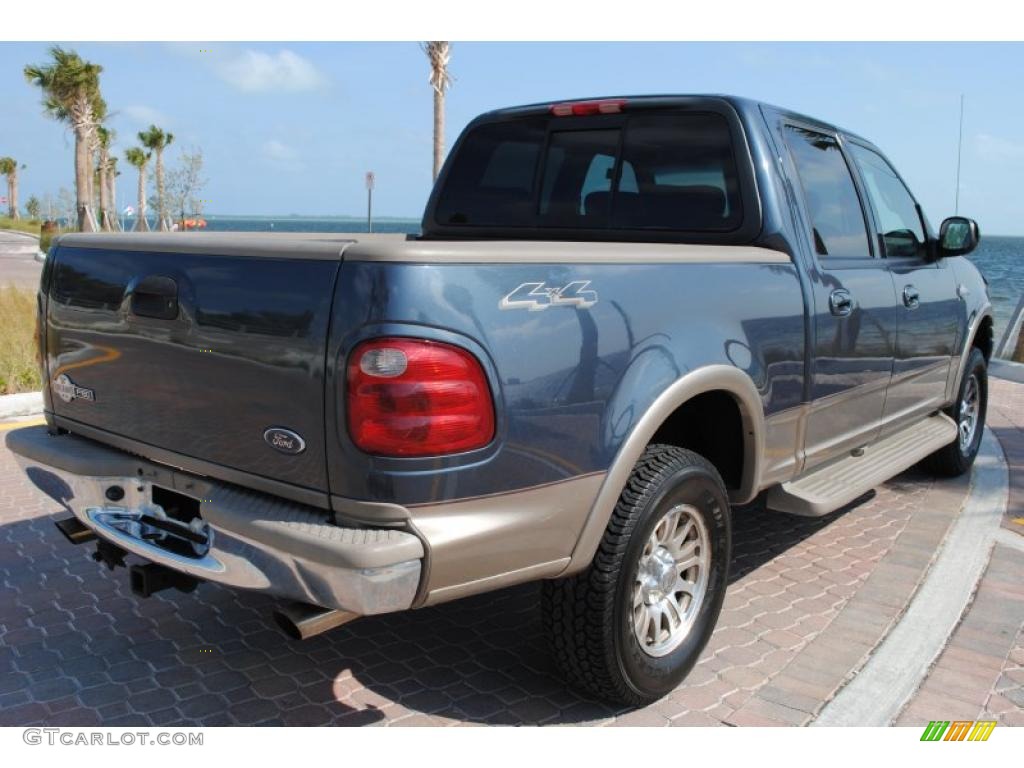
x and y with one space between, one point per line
301 621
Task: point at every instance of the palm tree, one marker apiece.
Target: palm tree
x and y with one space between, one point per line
71 94
157 140
9 168
439 54
95 141
104 136
112 174
138 157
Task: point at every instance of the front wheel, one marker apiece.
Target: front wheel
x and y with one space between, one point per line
630 627
968 411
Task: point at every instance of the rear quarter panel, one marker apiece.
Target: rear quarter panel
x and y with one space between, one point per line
569 384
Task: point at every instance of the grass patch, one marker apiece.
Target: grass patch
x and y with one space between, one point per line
19 371
31 226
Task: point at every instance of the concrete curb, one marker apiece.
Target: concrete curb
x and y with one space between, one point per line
1006 369
19 232
899 665
24 404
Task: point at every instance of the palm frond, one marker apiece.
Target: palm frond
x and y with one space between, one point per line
439 54
136 156
155 138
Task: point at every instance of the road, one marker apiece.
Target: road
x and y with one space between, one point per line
17 260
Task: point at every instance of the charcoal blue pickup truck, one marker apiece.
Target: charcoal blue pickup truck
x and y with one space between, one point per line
624 320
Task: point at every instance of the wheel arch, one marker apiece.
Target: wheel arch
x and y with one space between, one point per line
723 379
980 334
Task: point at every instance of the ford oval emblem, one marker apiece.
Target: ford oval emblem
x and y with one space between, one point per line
284 440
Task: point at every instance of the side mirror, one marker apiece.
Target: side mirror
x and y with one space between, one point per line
958 235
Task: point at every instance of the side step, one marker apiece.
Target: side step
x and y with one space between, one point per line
826 489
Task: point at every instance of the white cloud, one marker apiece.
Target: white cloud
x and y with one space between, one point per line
283 71
281 156
144 116
998 148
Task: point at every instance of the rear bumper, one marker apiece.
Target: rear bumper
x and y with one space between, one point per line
249 539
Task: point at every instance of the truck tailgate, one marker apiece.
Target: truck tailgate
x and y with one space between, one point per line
196 353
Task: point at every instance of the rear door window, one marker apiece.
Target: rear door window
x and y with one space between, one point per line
837 218
653 171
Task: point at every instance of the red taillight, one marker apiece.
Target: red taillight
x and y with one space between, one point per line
411 397
581 108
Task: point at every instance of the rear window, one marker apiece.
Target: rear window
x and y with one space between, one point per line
655 171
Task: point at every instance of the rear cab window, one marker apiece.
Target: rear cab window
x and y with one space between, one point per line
650 174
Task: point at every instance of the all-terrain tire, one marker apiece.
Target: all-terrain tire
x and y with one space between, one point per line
956 458
589 618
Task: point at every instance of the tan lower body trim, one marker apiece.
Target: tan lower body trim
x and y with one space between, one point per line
493 541
490 583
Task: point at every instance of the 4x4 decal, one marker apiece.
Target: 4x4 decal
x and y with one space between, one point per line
537 296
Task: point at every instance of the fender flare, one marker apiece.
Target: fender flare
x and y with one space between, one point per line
722 378
973 326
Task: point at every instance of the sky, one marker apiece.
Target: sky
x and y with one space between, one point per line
292 128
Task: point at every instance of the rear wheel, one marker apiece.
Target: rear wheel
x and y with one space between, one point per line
631 626
969 414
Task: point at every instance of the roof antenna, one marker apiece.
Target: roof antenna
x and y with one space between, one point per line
959 146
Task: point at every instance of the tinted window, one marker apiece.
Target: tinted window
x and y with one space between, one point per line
685 174
577 171
492 181
836 215
898 219
646 171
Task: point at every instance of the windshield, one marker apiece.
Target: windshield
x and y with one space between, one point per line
649 171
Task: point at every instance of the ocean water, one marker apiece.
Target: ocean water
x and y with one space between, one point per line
1001 259
307 224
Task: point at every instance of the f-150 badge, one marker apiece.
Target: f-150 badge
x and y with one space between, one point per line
537 296
64 388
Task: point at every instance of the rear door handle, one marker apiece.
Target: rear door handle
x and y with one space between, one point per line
155 296
840 302
911 299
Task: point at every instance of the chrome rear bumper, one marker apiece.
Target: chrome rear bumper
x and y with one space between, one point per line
241 538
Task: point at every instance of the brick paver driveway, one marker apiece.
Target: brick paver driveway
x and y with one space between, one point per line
808 602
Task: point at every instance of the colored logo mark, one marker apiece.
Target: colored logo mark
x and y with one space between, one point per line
958 730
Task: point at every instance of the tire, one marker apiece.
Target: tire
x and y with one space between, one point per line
604 642
957 457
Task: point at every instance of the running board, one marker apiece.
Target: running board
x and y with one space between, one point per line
826 489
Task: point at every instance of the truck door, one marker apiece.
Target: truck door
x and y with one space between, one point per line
929 312
854 301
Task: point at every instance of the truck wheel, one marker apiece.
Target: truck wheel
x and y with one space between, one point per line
969 414
630 627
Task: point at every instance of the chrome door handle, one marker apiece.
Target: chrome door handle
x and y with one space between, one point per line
911 299
840 302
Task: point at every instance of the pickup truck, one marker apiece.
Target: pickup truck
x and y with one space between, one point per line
624 321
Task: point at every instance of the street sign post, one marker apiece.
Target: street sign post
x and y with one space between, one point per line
370 181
